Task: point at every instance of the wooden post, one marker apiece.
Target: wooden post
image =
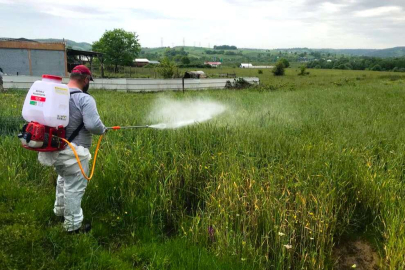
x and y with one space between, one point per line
29 62
102 66
182 80
91 64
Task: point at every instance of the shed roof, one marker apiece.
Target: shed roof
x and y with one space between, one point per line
142 60
80 52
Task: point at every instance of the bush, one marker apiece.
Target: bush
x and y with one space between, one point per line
278 69
260 71
238 83
376 68
194 66
230 53
185 60
166 68
397 69
285 62
303 71
344 67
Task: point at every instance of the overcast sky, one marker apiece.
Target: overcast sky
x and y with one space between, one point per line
244 23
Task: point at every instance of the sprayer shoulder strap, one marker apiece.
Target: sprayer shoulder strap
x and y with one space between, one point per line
77 130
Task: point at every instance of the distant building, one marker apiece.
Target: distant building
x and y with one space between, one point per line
141 62
32 58
246 65
249 65
213 64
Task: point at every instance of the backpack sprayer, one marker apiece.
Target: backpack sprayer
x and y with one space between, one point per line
46 109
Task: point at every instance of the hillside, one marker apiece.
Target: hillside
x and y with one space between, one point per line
248 54
84 46
392 52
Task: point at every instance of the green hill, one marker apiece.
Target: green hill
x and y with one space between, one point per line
392 52
84 46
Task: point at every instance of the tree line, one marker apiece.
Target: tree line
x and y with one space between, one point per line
225 47
361 63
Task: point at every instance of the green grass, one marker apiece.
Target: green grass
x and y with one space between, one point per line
300 161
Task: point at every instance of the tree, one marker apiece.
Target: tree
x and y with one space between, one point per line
278 69
285 62
185 60
376 68
118 46
166 68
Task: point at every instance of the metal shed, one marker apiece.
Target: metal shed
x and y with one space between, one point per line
28 57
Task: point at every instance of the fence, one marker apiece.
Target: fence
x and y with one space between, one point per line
135 85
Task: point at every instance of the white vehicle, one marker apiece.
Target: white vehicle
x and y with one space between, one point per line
246 65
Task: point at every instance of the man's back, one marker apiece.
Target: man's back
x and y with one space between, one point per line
83 109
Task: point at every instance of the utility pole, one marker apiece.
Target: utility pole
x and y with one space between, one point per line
161 42
184 42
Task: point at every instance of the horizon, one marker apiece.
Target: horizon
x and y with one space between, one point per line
239 48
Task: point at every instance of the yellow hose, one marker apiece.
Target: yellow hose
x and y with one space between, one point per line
78 159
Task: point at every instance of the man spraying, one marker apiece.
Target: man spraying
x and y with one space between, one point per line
84 121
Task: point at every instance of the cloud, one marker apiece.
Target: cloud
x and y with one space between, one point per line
379 11
245 23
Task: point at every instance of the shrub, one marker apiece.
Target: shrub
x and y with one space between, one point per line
376 68
278 69
238 83
303 71
285 62
166 68
260 71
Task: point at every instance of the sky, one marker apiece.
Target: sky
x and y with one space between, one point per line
266 24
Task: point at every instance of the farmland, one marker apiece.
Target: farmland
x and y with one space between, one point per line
292 170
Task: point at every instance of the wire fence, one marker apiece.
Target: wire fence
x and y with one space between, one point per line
124 72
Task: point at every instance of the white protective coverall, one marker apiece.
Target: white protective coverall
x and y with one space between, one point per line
70 185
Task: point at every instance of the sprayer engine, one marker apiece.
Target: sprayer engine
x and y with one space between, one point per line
37 137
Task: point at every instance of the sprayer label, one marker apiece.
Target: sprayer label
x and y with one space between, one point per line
60 90
36 98
61 117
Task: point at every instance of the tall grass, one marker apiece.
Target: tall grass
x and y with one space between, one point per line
274 183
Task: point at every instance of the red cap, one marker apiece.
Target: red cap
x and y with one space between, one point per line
82 69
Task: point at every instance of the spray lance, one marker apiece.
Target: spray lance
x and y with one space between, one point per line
127 127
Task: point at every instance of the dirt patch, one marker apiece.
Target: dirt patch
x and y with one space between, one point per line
357 254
